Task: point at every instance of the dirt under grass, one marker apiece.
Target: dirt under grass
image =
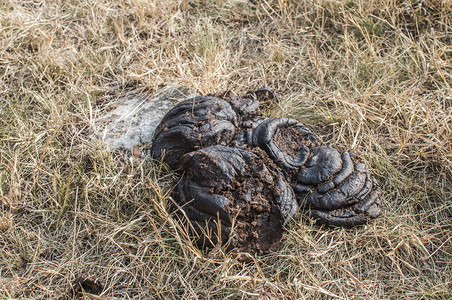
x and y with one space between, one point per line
371 76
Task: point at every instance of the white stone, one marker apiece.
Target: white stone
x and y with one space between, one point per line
131 120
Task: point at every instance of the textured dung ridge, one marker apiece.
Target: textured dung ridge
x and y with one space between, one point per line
245 176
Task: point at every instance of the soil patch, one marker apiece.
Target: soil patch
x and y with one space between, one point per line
90 285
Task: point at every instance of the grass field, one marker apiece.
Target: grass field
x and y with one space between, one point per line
372 76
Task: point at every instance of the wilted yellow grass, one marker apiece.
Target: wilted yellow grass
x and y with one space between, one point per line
371 76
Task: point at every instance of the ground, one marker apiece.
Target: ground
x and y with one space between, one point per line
371 76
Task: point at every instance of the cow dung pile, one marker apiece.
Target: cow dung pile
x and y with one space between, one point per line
245 176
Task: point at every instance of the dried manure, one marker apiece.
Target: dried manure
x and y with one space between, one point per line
245 176
237 190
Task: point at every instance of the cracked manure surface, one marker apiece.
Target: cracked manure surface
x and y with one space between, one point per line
258 220
291 140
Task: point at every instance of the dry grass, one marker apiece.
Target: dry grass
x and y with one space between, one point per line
373 76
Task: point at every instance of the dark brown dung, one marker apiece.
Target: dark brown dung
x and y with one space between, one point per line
290 140
258 227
